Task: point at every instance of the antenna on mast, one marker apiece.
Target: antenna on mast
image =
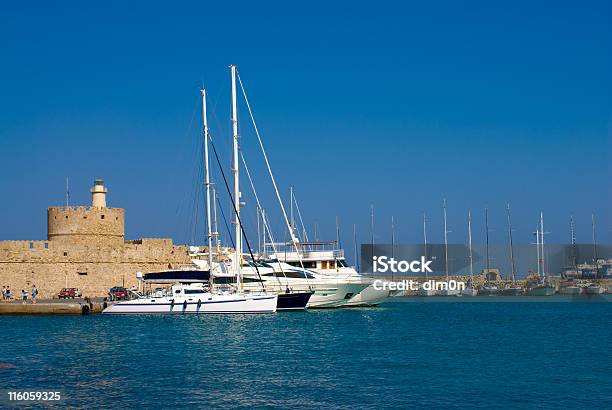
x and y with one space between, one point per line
67 193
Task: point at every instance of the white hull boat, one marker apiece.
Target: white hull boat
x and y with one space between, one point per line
195 299
469 291
370 296
277 277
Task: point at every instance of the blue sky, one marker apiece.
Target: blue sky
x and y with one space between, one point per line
392 104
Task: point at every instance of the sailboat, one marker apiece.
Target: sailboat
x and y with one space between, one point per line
593 288
513 289
489 289
198 297
470 290
422 291
446 292
542 288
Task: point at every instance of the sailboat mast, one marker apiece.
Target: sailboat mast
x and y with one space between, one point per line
510 243
573 239
372 229
392 242
470 247
487 237
207 184
238 233
542 243
291 220
355 245
594 246
425 237
538 249
445 239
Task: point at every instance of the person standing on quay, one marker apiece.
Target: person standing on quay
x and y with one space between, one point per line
24 296
8 293
34 293
3 293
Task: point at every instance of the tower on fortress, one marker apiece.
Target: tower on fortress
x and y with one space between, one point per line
94 225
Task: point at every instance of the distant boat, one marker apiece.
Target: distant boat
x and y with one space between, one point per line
570 290
512 291
489 290
592 289
469 291
541 289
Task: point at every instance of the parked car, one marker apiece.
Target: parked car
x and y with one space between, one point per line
69 293
118 293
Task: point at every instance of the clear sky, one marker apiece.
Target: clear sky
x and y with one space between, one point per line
392 104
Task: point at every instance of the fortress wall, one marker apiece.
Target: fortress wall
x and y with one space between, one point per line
92 269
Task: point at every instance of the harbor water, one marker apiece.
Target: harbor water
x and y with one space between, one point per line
401 354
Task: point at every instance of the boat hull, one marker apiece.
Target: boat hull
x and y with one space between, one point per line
511 292
593 290
570 290
469 292
370 296
293 301
541 291
222 304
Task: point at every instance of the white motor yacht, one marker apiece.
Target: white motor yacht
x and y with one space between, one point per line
331 265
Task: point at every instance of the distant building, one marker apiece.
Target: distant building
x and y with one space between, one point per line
86 249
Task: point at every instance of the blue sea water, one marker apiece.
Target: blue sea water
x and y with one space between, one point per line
436 355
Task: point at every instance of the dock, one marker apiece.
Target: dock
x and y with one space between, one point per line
52 307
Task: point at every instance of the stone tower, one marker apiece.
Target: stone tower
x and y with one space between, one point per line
93 226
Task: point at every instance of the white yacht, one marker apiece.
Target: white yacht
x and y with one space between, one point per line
279 278
331 265
194 298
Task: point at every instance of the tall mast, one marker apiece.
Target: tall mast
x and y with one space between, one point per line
355 245
238 234
542 243
425 238
573 241
207 184
470 247
372 229
392 242
445 239
594 246
510 243
291 219
538 249
487 237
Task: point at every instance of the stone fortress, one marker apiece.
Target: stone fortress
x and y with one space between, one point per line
85 249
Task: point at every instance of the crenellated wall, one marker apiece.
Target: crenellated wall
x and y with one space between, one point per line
52 265
86 225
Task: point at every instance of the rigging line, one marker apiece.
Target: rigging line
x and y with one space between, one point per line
293 238
246 240
297 207
229 233
266 227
